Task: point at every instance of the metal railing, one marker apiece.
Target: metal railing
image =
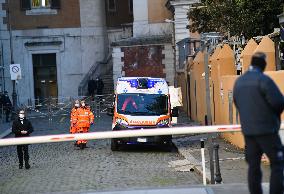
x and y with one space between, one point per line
53 107
101 104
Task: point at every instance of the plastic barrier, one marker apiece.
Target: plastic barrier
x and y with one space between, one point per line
121 134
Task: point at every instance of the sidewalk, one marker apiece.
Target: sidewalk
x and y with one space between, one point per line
232 162
210 189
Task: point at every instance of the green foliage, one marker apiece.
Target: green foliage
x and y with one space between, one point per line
251 17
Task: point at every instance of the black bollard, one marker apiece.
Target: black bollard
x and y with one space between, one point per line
218 178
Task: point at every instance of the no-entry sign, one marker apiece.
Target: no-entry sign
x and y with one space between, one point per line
15 71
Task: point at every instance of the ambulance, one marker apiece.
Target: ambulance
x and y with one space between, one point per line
141 103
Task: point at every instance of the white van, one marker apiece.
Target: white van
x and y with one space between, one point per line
141 103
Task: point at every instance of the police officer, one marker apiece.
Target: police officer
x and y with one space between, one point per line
260 104
22 128
85 118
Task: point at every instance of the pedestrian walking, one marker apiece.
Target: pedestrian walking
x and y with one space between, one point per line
22 127
260 104
85 118
100 86
92 86
7 105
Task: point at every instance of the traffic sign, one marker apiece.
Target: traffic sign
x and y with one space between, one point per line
15 71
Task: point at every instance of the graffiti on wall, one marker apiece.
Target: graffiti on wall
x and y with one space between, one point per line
143 61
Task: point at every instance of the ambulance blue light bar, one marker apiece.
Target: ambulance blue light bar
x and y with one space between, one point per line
148 85
134 83
152 82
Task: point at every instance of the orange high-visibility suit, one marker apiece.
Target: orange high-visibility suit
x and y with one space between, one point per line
85 118
73 120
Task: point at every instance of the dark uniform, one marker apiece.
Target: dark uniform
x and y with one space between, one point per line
22 128
260 104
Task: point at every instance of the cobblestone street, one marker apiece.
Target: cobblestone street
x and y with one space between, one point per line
61 167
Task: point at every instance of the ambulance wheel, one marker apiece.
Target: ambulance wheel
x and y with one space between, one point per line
114 145
82 146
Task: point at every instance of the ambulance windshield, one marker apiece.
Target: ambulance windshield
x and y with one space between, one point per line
142 104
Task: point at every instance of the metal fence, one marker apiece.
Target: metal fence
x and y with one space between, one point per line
53 107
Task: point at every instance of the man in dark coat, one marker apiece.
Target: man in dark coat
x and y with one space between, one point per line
100 86
260 104
22 128
7 105
92 86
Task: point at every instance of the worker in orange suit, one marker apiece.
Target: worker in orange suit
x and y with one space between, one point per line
85 118
73 117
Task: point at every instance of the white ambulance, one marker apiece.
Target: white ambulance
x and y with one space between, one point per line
141 103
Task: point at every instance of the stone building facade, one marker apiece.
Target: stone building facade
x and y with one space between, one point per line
55 44
61 44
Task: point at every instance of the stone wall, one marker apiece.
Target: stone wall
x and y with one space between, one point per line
146 60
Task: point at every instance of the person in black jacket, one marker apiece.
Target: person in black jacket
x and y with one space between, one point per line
260 104
100 86
7 105
92 86
22 128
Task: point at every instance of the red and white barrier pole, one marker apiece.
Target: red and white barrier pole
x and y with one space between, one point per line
121 134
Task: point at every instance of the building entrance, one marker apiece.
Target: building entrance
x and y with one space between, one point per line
45 76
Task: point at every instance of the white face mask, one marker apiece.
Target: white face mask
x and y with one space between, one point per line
21 116
83 104
77 105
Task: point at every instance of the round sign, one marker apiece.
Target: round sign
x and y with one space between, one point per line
15 69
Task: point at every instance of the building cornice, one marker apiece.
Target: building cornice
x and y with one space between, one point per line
148 40
172 3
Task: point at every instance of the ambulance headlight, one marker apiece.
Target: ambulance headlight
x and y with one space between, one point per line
121 122
163 123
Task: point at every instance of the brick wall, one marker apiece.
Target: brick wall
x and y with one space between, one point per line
143 61
148 60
